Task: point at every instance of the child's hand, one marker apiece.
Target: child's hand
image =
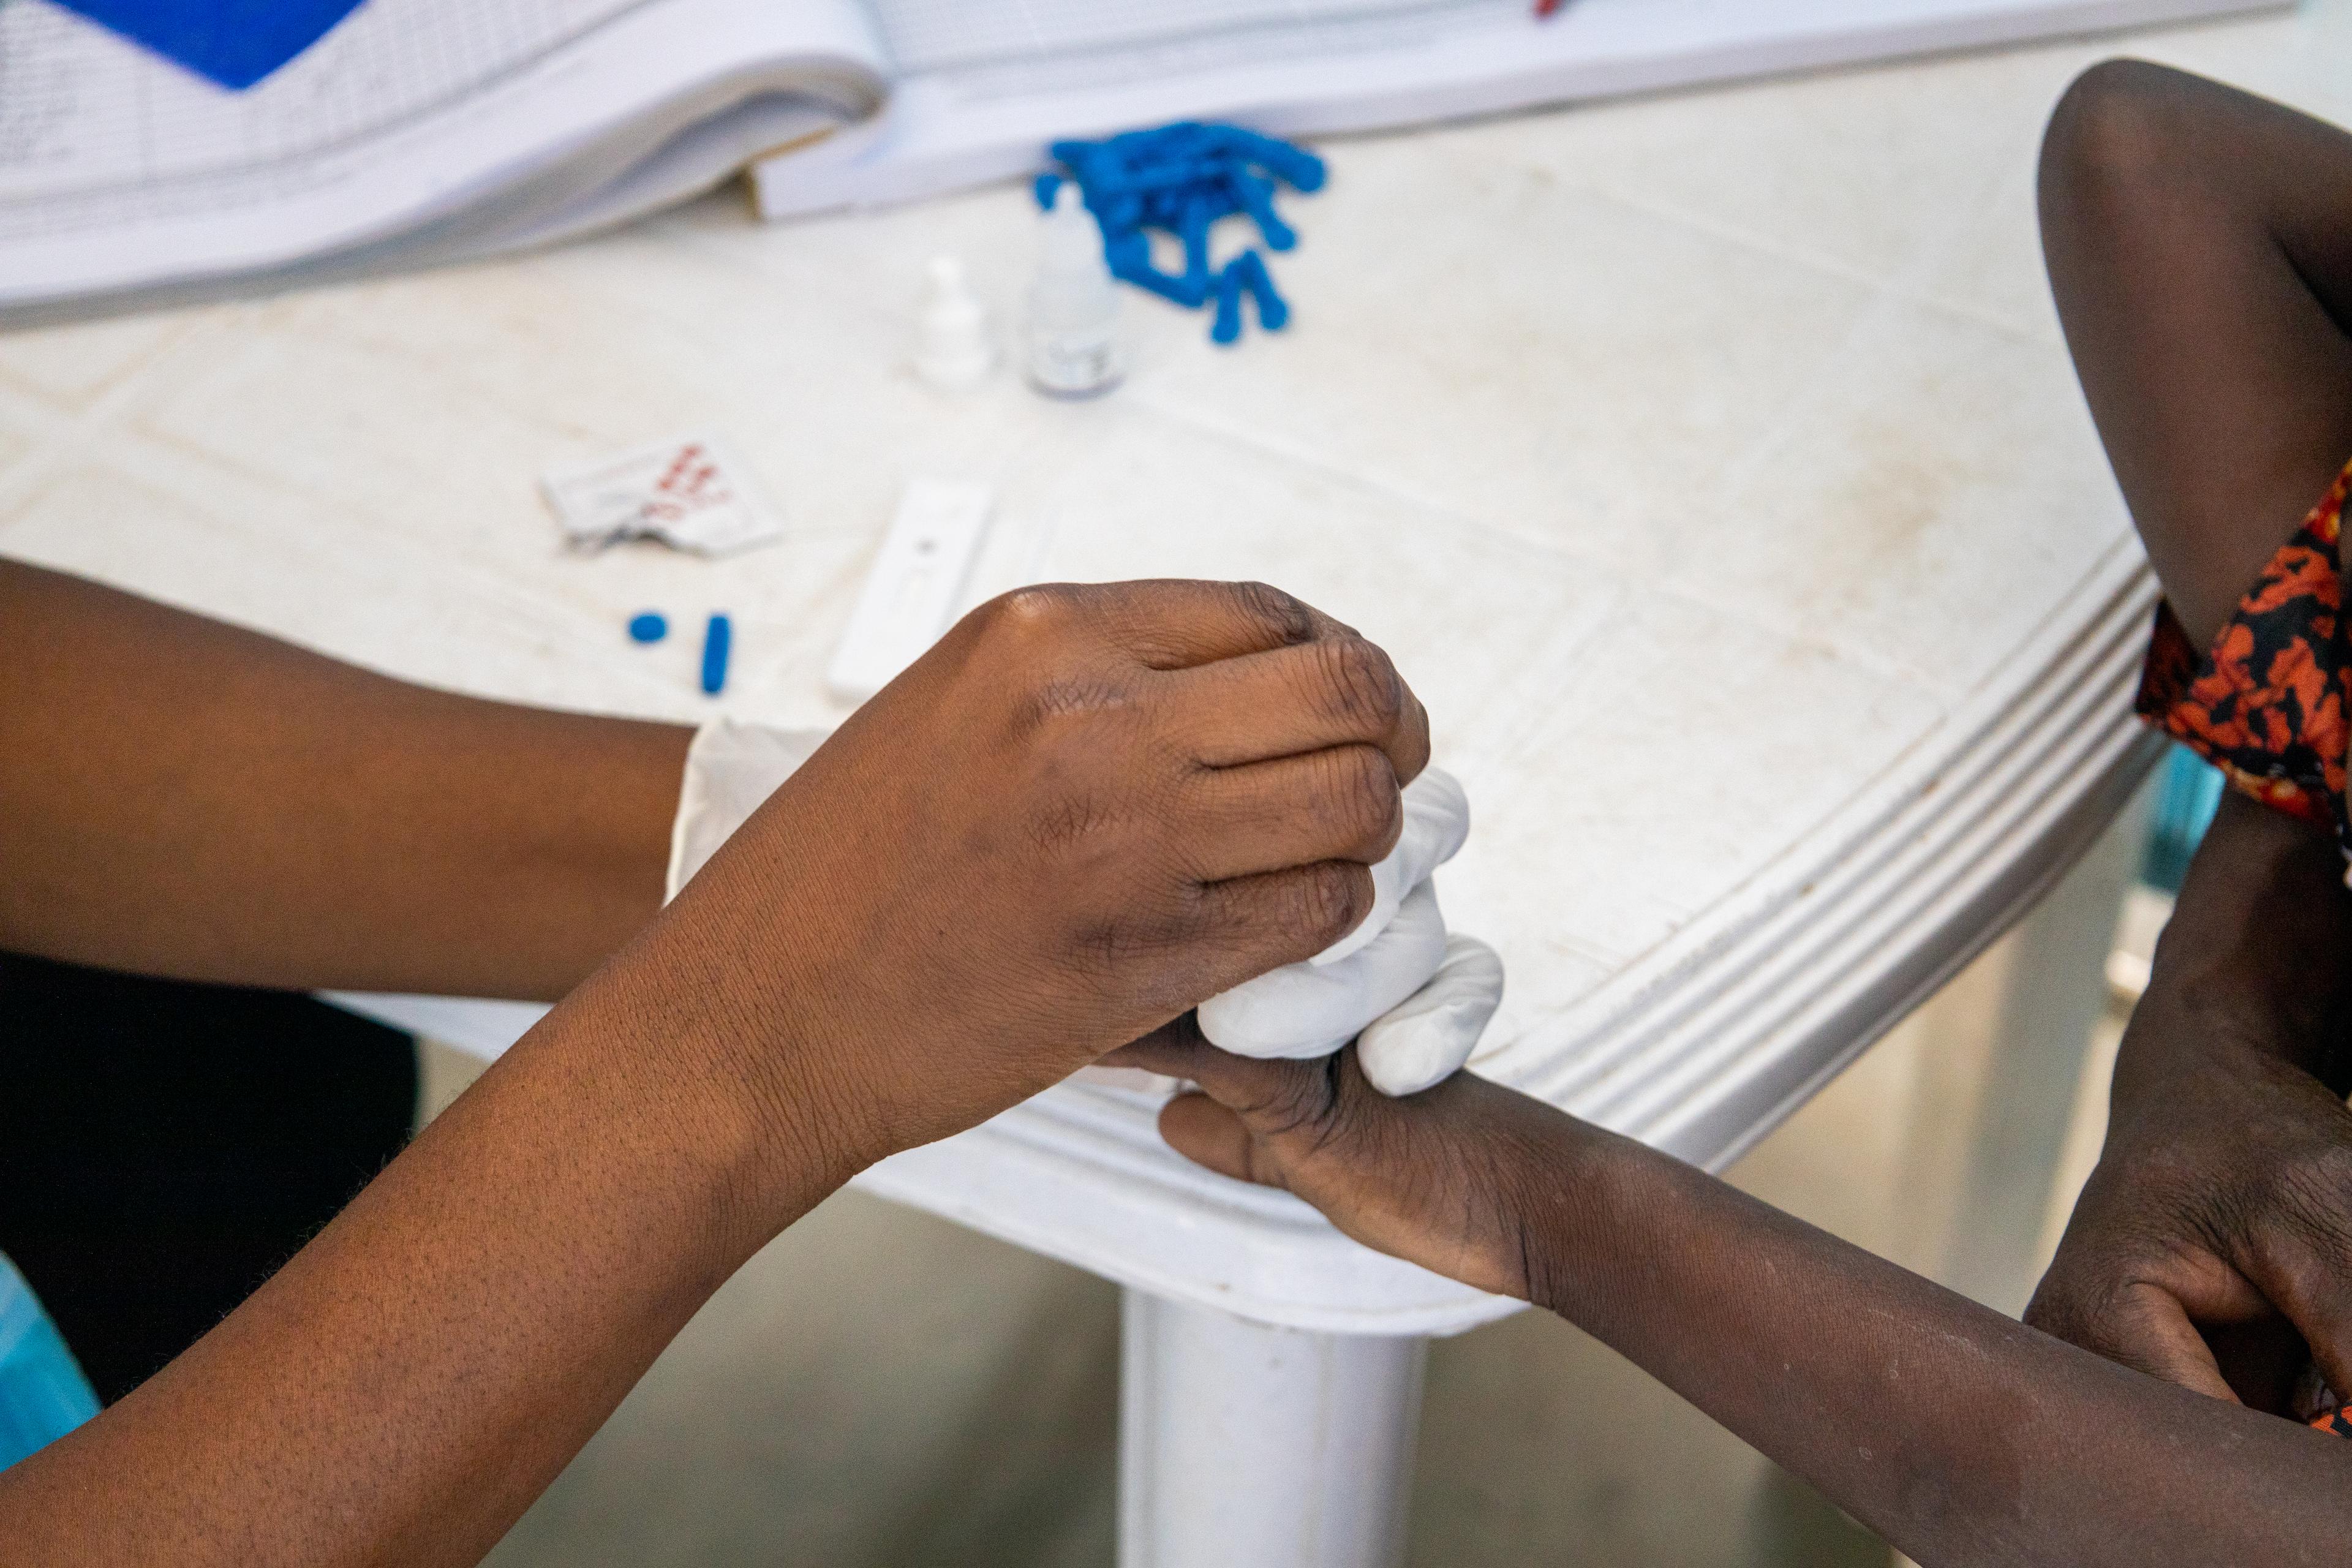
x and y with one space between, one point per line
1437 1178
2220 1207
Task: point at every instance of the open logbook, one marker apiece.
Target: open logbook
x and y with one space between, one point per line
422 129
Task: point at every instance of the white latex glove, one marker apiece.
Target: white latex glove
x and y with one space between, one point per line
1436 823
1418 1001
1425 1041
1311 1009
731 768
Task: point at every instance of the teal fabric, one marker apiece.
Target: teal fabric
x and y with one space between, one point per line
2188 794
43 1394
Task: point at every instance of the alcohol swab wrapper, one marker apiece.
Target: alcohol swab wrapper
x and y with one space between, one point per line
690 493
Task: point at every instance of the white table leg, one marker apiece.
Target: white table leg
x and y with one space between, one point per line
1242 1443
2053 988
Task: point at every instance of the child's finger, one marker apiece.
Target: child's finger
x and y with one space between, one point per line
1179 1049
1208 1134
2304 1276
1237 1121
2151 1332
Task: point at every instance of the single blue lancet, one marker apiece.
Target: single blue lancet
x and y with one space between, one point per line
1227 327
1273 310
715 641
1181 180
1256 197
1195 227
1294 165
648 627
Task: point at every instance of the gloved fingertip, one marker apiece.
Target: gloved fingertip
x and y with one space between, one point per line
1436 825
1437 812
1405 1062
1308 1010
1431 1035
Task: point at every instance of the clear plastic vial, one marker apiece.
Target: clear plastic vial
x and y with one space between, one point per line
952 348
1073 343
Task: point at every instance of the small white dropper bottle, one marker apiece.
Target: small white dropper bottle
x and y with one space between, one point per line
1074 349
952 350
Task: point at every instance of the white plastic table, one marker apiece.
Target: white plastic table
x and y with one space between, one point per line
1711 465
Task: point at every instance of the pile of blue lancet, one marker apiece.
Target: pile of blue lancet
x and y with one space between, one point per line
1181 179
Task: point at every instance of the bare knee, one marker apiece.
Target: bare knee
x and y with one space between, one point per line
2123 128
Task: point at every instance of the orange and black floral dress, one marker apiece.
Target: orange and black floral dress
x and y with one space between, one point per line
2266 706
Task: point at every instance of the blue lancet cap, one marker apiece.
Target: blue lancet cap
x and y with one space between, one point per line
1273 310
1182 180
716 640
1227 327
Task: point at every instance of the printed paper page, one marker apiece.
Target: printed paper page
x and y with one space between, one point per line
119 169
982 85
1029 45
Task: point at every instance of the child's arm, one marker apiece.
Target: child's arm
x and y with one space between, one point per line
2200 242
1958 1435
2199 247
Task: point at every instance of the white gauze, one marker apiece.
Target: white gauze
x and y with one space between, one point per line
731 768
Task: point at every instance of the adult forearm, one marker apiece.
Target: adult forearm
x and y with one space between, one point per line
951 906
182 797
401 1391
2257 959
1959 1435
2217 1201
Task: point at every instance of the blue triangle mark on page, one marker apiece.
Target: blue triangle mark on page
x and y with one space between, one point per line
233 42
